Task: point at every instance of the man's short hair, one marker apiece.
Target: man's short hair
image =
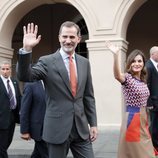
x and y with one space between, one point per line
153 49
70 24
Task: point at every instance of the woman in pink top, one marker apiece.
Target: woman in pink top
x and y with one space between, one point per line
135 140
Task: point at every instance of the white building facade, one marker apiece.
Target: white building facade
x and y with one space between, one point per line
115 20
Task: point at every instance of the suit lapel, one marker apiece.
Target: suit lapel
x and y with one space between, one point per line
14 83
153 66
3 88
79 71
15 86
40 88
62 70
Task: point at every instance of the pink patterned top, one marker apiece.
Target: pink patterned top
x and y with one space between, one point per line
135 91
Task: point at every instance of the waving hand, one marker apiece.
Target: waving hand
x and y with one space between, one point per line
30 38
116 66
113 48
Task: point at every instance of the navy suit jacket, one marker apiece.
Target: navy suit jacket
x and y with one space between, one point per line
5 111
33 107
152 82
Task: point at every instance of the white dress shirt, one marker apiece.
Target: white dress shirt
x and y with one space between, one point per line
11 85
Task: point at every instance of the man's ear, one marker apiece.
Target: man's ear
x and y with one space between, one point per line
79 39
59 38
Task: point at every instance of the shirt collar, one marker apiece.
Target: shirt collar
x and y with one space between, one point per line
5 79
65 55
154 62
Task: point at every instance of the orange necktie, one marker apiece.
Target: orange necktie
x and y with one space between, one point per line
73 79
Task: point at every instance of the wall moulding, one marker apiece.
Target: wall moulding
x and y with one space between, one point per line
6 52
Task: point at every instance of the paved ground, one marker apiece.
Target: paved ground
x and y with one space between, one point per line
104 147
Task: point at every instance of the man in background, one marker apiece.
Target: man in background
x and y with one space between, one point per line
9 107
152 81
32 113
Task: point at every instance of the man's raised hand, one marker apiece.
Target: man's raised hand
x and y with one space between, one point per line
30 38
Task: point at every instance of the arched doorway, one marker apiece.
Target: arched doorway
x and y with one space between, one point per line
49 18
142 30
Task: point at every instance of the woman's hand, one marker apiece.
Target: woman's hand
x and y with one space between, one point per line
116 67
113 48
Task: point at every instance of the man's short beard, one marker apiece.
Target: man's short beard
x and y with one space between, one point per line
68 50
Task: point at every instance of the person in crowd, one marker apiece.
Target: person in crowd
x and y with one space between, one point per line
152 69
70 118
33 106
9 107
135 140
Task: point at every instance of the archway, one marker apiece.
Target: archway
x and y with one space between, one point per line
142 31
49 18
13 12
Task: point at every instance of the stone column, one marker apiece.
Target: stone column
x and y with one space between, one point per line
109 100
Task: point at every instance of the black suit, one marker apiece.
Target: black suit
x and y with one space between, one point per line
153 100
8 117
33 106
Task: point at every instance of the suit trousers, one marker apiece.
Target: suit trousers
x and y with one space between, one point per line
154 127
40 150
80 148
6 136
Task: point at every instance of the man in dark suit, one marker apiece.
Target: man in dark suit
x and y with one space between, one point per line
70 119
152 69
9 113
33 106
